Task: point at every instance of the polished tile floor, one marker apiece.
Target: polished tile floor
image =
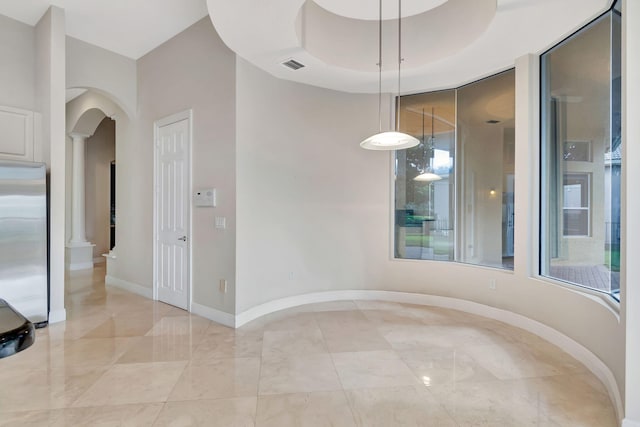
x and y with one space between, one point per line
124 360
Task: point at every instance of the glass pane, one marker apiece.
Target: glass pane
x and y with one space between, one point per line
486 155
424 180
580 193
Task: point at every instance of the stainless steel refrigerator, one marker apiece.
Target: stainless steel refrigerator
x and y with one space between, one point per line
23 238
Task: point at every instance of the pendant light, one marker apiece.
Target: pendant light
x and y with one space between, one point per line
394 140
428 175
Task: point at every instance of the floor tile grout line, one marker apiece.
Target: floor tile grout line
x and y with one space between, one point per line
255 413
344 391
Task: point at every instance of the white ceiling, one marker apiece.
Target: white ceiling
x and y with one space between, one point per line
352 43
267 33
474 38
128 27
370 9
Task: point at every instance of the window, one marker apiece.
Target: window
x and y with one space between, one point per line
454 191
575 197
581 154
424 196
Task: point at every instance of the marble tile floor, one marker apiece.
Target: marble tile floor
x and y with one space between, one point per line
123 360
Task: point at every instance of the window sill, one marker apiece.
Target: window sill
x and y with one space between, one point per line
607 299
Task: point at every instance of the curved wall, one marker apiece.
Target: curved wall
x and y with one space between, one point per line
314 213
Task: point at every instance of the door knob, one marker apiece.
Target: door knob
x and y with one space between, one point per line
183 238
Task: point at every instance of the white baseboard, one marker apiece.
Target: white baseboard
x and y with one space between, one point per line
213 314
629 423
80 266
295 301
57 316
575 349
129 286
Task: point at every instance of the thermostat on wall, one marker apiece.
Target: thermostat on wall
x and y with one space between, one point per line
205 197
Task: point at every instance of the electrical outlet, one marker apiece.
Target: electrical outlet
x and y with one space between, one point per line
223 286
492 284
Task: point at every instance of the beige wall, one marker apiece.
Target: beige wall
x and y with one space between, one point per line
90 66
313 207
17 64
100 151
194 70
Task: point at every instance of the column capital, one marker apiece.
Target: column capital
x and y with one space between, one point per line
79 135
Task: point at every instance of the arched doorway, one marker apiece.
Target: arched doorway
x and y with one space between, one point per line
92 119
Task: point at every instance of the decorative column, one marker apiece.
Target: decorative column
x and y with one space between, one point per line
77 190
79 250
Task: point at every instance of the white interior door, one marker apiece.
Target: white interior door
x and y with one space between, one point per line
172 211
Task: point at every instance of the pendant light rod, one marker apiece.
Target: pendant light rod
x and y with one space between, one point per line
428 174
380 69
391 140
433 138
423 140
424 144
433 129
399 60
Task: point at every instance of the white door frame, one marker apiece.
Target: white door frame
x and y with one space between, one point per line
182 115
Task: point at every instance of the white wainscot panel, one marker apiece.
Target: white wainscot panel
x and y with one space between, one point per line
16 134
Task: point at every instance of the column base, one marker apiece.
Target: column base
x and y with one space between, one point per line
79 256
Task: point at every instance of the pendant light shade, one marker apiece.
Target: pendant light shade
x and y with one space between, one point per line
427 177
389 140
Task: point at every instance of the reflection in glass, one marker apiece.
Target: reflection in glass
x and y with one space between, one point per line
454 191
424 181
581 156
486 156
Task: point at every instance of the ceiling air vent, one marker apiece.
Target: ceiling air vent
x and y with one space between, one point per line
293 64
